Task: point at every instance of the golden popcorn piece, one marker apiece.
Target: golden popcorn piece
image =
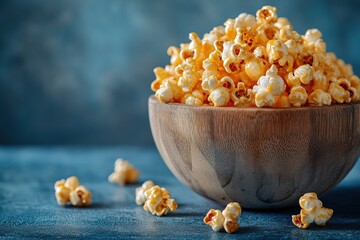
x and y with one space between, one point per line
140 198
62 193
158 201
312 211
231 213
244 50
72 182
71 190
296 219
319 98
80 196
298 96
227 219
123 173
215 219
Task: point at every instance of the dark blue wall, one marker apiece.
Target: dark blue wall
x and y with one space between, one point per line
78 71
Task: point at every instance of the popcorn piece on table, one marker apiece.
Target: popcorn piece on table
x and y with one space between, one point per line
232 212
227 219
123 173
215 219
312 211
80 196
140 192
71 190
158 201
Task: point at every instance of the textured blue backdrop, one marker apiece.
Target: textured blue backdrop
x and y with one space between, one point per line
78 72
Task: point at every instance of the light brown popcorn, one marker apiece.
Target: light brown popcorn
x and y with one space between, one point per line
62 193
312 210
227 219
298 96
158 201
70 190
215 219
244 49
231 213
80 196
123 173
140 192
72 182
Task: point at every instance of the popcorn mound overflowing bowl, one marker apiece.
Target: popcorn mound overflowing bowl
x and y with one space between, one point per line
264 132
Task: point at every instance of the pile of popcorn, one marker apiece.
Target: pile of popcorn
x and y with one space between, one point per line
256 62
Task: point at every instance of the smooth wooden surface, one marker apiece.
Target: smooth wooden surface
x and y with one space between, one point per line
262 158
28 208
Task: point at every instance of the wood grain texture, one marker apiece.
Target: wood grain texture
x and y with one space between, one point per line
261 158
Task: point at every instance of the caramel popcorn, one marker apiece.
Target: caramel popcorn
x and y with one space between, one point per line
312 211
230 65
140 192
71 190
123 173
158 201
227 219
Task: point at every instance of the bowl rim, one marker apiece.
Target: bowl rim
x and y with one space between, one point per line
152 99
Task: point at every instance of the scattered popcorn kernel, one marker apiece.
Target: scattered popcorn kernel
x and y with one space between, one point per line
80 196
70 190
253 50
227 219
231 213
62 193
123 173
158 201
215 219
72 182
296 219
312 210
140 192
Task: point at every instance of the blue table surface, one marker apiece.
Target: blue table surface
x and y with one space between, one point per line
28 207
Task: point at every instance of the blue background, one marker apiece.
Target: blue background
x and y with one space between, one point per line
78 72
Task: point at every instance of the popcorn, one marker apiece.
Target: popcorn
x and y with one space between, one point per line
158 201
71 190
298 96
219 95
227 219
319 98
244 21
244 49
231 214
80 196
267 14
123 173
215 219
140 192
62 193
304 73
312 210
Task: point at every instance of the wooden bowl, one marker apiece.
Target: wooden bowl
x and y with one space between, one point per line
261 158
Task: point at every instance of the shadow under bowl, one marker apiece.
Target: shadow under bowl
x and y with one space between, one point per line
259 157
